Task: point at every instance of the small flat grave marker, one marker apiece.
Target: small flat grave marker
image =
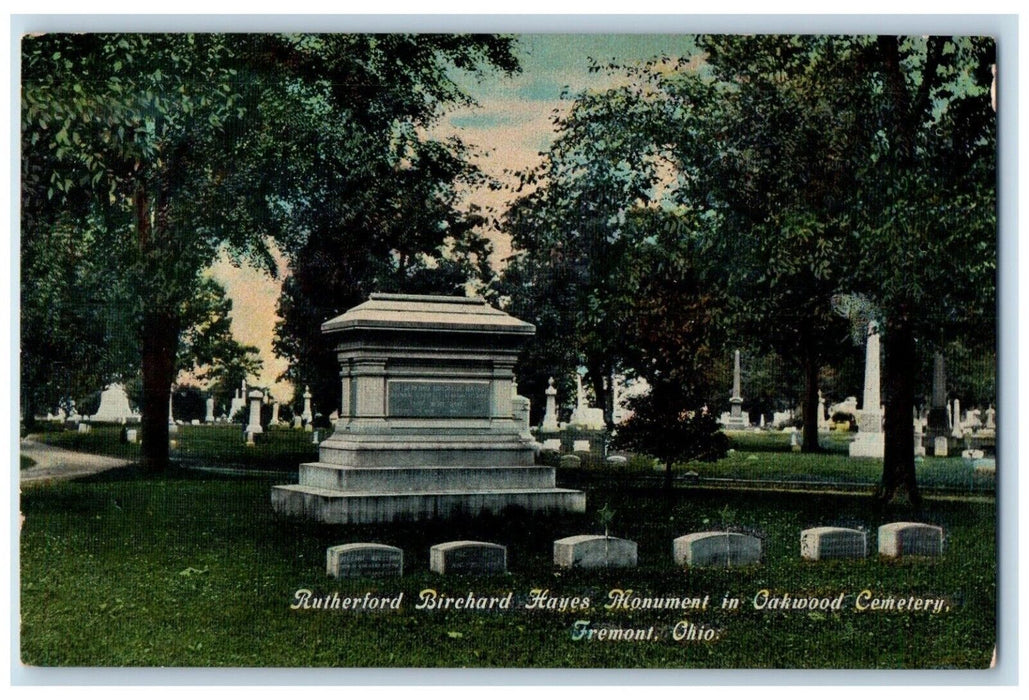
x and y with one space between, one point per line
594 552
819 543
716 549
910 539
570 462
364 560
466 557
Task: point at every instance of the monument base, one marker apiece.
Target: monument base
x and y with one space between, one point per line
868 445
422 494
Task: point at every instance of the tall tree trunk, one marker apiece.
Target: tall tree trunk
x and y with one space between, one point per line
160 342
811 417
899 484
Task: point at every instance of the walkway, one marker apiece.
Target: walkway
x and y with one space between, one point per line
59 463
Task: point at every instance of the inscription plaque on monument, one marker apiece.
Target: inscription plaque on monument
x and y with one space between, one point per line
423 399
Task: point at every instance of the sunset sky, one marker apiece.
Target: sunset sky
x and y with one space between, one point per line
511 126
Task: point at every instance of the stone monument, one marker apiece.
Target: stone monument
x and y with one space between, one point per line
938 428
307 415
173 427
550 424
823 420
584 416
254 424
114 406
209 406
736 420
869 440
426 428
959 426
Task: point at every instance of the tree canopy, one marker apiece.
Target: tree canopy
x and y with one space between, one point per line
184 146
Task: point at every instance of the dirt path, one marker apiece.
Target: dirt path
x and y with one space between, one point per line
59 463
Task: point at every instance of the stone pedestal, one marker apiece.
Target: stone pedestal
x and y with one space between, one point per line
427 426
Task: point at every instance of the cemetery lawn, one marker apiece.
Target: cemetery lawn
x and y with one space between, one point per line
192 569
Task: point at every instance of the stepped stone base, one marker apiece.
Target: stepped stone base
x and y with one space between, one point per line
413 498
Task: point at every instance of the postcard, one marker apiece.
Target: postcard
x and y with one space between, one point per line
508 351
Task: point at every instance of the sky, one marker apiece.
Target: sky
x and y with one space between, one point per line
511 127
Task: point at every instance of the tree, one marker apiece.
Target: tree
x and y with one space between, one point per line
186 145
575 233
672 339
927 214
207 347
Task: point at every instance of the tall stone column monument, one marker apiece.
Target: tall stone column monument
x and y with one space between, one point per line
550 423
427 426
869 441
736 419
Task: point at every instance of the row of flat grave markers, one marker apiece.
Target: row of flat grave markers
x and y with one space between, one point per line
698 549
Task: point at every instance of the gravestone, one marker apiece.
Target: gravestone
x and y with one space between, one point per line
173 427
427 426
114 406
959 426
736 419
938 420
910 539
716 549
209 406
617 460
307 416
84 428
581 446
584 416
570 462
550 414
521 407
275 413
131 435
364 560
594 552
298 422
820 543
869 441
823 419
553 444
468 558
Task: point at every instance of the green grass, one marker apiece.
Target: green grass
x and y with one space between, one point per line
222 445
122 569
